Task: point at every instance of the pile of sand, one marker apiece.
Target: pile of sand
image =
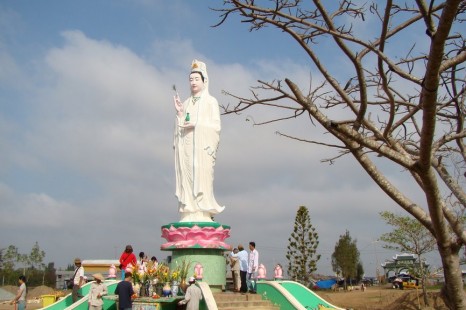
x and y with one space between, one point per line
39 291
8 292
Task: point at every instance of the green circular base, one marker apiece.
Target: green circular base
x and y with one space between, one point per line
212 261
199 242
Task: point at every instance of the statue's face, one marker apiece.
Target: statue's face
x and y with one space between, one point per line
195 80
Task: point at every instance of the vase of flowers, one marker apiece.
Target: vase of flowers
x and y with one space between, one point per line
184 269
183 286
137 289
175 288
158 289
166 291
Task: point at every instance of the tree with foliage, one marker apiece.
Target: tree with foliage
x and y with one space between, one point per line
36 257
398 103
359 271
50 277
409 236
10 258
302 248
15 264
345 258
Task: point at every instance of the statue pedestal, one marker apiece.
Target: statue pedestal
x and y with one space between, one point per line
202 244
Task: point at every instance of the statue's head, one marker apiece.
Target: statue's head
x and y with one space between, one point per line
198 77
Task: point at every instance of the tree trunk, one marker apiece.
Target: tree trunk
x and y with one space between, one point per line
452 291
424 290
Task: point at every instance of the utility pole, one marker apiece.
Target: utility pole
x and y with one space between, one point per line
377 271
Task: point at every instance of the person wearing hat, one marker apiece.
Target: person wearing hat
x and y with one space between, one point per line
97 290
193 296
235 269
78 279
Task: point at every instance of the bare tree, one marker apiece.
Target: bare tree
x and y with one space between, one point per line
403 102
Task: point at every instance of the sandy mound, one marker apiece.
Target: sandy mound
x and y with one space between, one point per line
6 295
10 288
39 291
33 292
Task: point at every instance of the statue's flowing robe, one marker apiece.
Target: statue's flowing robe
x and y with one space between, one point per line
195 153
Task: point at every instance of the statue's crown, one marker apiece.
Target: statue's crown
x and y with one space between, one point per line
199 66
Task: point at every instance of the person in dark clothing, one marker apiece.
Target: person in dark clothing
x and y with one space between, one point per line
124 290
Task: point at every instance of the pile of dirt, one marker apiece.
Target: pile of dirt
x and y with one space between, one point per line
10 288
6 294
33 292
39 291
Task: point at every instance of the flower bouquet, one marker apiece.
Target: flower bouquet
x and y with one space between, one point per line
183 269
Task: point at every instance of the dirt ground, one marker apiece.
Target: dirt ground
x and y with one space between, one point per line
383 298
374 298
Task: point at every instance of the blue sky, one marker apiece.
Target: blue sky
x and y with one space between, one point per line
86 121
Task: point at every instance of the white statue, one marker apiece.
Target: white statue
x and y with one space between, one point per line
197 135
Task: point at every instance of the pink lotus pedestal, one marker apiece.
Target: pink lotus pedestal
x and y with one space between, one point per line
201 243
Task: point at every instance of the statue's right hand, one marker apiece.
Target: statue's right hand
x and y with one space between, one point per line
178 104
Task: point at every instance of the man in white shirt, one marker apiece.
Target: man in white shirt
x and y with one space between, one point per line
253 264
242 256
193 296
78 279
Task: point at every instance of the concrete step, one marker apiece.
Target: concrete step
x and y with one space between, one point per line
236 296
230 301
250 308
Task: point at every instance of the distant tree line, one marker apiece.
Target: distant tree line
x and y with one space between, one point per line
13 264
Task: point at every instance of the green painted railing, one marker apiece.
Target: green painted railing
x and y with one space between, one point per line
292 295
67 301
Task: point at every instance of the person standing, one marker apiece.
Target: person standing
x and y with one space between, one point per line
242 256
253 264
124 290
78 279
193 296
196 139
235 269
97 290
20 297
127 258
142 263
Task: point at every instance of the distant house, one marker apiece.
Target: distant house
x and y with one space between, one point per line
102 266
